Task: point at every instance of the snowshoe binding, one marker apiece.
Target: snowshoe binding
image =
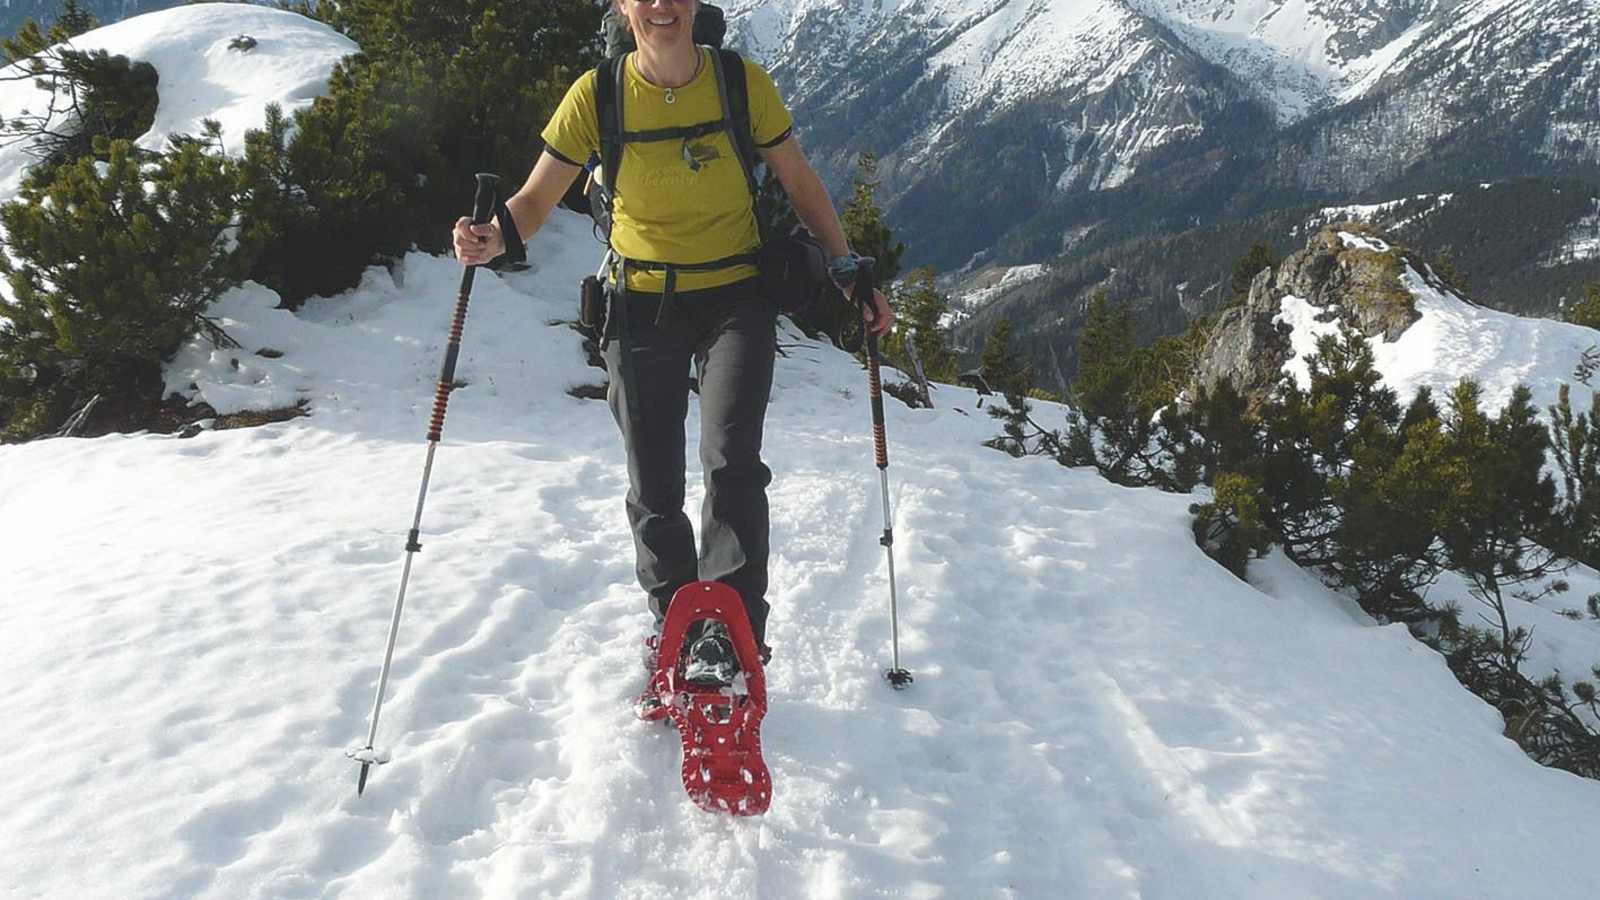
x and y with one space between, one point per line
714 690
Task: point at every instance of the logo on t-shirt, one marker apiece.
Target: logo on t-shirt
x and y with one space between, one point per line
698 154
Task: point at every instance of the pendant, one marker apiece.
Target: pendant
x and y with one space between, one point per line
670 98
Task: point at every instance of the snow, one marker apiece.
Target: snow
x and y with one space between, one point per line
1017 48
1013 277
964 305
1100 710
200 76
1364 242
194 629
1455 339
1382 214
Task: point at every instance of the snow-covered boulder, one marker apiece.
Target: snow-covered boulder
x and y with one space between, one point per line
206 72
1424 333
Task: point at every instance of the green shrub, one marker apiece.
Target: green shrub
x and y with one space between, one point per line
1585 312
1124 422
116 263
1259 256
88 96
1230 529
385 161
919 308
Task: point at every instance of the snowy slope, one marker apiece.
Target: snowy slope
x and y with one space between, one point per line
1203 109
1456 339
201 77
195 628
1110 79
1302 53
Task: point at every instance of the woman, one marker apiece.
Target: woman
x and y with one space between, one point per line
684 205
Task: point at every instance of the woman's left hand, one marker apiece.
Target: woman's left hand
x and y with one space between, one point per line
880 318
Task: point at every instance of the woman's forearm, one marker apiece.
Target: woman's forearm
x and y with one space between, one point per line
546 184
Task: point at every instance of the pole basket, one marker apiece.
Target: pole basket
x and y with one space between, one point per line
369 756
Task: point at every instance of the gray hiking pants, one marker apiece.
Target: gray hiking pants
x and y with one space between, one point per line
729 336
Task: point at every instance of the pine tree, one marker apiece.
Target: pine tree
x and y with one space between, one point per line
1230 528
1117 394
385 160
30 39
1586 312
72 21
109 277
1232 436
1106 382
1501 502
1002 369
1258 257
863 222
89 95
1575 443
1311 436
919 310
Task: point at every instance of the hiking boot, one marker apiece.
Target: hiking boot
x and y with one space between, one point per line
711 658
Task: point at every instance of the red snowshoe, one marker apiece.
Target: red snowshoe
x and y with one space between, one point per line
720 725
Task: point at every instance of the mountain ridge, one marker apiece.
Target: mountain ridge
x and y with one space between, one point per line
1070 102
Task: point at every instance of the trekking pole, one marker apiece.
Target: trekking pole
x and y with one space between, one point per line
482 207
862 293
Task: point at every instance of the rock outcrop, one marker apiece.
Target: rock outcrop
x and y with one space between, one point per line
1348 271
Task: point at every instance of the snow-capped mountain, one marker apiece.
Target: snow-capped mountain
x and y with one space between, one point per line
998 117
1047 98
1302 55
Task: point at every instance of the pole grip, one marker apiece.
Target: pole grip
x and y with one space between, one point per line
483 199
483 203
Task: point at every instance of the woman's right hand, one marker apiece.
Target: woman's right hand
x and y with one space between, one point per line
477 244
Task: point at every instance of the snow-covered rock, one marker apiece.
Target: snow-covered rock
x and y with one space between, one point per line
201 75
1423 332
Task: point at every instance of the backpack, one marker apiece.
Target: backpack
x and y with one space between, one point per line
729 70
793 268
710 27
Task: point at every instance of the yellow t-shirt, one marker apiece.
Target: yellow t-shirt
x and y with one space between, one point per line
678 201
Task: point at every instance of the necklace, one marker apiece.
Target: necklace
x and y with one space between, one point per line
699 60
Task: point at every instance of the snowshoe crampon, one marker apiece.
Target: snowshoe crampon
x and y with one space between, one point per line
720 725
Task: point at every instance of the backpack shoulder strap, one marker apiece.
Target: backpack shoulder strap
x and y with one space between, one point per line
608 115
735 95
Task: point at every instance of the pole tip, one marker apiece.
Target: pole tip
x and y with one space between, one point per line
361 782
899 679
